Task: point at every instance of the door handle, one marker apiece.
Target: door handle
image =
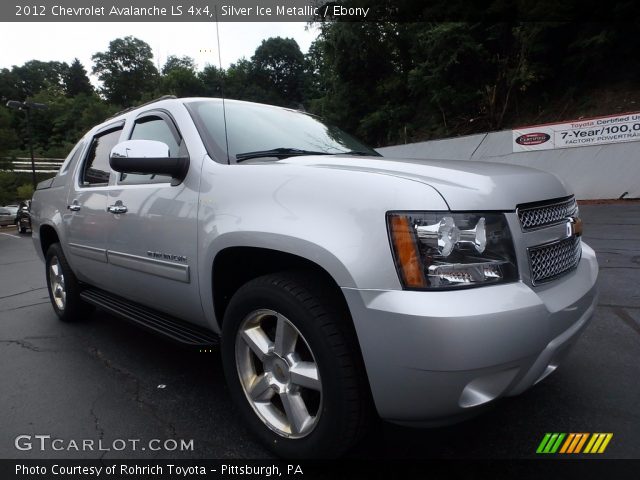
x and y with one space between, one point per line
117 209
74 207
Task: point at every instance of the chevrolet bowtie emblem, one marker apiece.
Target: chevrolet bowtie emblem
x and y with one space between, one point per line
574 227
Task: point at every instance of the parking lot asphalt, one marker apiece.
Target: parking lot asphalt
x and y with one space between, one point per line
104 379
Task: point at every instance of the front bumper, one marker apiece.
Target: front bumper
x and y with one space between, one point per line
435 357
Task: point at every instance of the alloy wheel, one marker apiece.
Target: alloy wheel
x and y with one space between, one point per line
278 373
56 281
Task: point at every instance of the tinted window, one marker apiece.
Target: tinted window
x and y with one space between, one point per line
154 128
96 166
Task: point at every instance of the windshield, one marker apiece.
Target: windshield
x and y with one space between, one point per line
253 127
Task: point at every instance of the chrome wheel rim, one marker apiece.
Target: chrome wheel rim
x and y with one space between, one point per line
56 281
278 373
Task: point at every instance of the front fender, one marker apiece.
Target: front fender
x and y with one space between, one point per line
333 218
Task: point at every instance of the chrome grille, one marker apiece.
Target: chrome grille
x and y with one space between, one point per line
544 215
554 259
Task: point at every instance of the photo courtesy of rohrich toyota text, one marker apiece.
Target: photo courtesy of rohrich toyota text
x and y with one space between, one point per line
319 239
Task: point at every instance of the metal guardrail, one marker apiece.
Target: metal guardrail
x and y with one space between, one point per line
23 164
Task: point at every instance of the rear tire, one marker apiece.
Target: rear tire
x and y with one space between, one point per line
293 367
64 288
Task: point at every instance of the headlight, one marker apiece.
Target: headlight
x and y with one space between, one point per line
435 250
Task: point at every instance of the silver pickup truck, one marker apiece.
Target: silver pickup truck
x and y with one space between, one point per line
338 283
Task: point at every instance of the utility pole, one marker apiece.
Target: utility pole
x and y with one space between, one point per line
27 107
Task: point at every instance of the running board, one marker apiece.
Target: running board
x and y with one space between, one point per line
177 330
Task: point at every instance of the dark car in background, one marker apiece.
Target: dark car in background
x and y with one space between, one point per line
23 217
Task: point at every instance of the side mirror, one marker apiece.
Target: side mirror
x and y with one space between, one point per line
147 157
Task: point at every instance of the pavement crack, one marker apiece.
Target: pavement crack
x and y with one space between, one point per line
22 343
23 306
109 364
96 420
22 293
618 268
623 315
614 251
137 393
627 307
97 426
591 237
20 262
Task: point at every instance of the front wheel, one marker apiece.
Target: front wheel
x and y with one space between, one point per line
293 367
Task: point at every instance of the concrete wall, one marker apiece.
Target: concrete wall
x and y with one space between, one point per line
602 171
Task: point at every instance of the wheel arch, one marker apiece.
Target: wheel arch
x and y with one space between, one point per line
48 236
236 265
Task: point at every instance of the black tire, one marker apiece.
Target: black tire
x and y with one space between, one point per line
344 412
21 229
74 309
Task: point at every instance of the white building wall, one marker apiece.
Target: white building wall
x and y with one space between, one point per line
594 172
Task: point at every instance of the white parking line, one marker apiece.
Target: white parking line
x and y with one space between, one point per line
9 235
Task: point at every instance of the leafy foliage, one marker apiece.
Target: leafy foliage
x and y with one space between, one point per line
76 81
388 82
17 186
278 66
126 70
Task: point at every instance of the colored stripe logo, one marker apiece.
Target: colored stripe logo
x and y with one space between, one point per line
574 443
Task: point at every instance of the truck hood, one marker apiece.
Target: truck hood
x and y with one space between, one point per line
463 185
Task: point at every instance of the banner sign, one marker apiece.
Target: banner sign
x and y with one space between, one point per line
578 133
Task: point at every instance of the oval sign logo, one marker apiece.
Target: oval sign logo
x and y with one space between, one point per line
532 138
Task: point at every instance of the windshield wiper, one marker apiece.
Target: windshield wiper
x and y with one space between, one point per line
360 153
276 152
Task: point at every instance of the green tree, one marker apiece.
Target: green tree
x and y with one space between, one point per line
11 181
126 70
76 81
212 79
279 67
317 73
9 81
241 83
179 78
363 79
173 62
8 137
439 78
35 76
24 192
